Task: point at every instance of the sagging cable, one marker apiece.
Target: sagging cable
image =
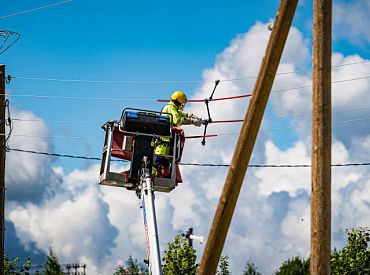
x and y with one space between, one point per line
213 99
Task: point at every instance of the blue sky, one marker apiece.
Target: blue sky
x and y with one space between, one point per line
172 41
119 40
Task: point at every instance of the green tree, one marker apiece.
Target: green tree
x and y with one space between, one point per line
179 258
133 268
294 266
250 269
10 266
354 258
52 266
224 266
121 270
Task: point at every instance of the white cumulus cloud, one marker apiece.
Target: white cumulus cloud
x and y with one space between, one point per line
102 226
350 21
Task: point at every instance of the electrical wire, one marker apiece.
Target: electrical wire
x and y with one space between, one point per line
276 165
209 100
278 129
80 98
294 127
197 136
162 100
309 126
192 164
300 71
35 9
6 35
53 154
169 81
57 121
361 108
112 81
66 137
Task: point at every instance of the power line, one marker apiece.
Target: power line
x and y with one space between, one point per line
81 98
309 126
156 100
194 164
300 71
360 108
58 155
5 35
58 121
167 81
200 136
35 9
276 165
298 127
112 81
47 136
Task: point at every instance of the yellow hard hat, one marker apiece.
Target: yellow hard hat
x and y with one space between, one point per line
179 96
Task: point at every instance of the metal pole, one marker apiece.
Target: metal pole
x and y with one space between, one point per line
153 231
155 266
321 139
2 164
247 138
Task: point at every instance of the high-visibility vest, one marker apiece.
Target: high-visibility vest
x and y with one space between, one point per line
178 116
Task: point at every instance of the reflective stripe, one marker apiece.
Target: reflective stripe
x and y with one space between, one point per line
178 116
162 149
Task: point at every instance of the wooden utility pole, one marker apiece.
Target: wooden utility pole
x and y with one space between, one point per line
247 138
2 164
321 139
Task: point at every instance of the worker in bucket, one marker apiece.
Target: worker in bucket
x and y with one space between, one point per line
163 148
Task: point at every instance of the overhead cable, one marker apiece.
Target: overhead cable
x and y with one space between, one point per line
35 9
211 99
162 100
53 154
111 81
5 35
57 121
195 136
276 165
80 98
213 121
47 136
300 71
192 164
279 129
167 81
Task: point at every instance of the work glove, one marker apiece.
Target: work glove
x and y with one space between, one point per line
196 121
203 121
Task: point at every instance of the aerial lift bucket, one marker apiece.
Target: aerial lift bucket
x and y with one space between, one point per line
133 137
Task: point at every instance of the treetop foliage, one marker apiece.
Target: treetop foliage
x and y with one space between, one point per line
224 266
11 269
354 258
180 257
52 266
